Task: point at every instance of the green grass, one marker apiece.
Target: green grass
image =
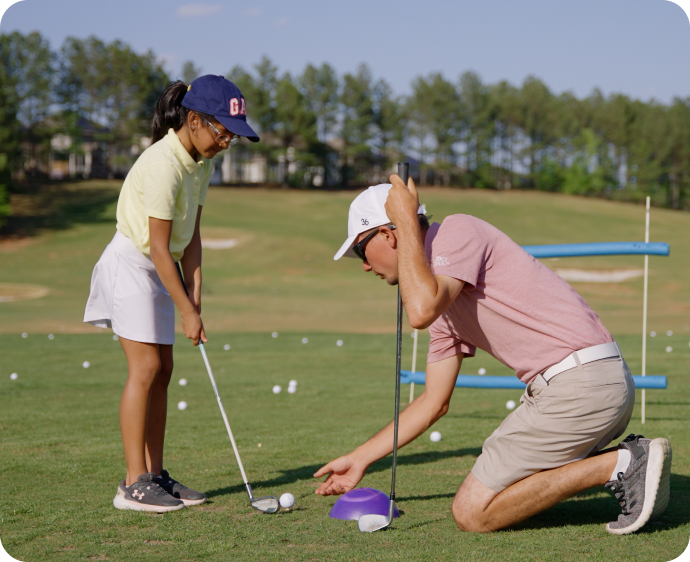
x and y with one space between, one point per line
60 457
60 451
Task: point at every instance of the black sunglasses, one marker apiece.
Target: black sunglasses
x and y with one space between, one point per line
358 249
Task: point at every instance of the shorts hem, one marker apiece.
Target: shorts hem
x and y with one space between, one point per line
496 487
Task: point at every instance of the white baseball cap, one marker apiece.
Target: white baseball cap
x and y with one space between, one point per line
367 211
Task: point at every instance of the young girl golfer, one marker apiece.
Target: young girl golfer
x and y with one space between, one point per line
136 285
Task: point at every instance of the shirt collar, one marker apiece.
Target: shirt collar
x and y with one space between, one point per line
180 151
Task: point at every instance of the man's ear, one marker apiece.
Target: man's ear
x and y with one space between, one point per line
390 236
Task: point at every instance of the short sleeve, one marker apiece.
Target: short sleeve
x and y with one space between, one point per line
461 249
161 184
445 343
207 179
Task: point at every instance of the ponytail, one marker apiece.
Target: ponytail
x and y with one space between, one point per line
169 112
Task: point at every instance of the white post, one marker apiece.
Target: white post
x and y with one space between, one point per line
414 364
644 311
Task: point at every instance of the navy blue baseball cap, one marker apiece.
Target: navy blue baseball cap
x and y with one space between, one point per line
217 96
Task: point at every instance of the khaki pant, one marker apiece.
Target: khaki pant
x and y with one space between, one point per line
576 413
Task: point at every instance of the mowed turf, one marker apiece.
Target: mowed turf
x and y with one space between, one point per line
281 275
61 458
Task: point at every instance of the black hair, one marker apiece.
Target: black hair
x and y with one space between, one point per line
423 221
169 112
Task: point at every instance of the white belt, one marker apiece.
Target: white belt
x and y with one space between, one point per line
587 355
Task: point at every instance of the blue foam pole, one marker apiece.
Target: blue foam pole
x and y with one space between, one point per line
598 249
657 382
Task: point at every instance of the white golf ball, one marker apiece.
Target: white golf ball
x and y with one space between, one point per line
652 334
287 501
86 364
293 382
435 436
292 389
669 349
14 376
305 340
669 333
115 338
482 371
339 343
182 405
274 335
183 382
25 335
51 336
277 389
226 347
510 404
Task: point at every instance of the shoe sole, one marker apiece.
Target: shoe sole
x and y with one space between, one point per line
657 486
193 502
121 502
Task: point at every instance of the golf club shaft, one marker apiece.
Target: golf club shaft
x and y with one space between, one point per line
220 401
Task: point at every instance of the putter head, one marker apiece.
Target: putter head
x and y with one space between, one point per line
267 504
373 522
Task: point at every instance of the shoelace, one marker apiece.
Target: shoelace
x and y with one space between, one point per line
154 488
619 491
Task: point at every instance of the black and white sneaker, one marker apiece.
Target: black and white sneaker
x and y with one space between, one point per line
179 491
643 490
145 495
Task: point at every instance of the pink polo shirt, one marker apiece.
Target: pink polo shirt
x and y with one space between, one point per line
511 306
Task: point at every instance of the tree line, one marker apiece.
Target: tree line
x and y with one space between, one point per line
353 127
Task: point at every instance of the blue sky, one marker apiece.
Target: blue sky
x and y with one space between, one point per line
637 47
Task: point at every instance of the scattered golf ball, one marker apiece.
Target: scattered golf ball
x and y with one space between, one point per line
305 340
339 343
653 334
277 389
226 347
482 371
14 376
25 335
274 335
183 382
435 436
51 336
259 444
86 364
293 382
510 404
669 349
292 389
182 405
669 333
115 338
287 501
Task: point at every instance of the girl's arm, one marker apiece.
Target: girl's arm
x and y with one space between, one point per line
159 232
191 265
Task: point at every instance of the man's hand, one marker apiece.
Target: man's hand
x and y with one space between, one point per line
403 200
344 474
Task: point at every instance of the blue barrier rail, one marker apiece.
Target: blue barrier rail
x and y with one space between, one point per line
657 382
598 249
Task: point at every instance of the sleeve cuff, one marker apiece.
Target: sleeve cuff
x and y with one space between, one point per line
459 347
160 215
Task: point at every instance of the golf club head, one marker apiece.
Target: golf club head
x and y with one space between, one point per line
267 504
373 522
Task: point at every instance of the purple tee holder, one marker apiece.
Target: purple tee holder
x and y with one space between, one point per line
362 501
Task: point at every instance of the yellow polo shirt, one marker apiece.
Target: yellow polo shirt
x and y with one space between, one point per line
164 183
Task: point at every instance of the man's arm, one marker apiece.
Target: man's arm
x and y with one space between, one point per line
345 472
425 296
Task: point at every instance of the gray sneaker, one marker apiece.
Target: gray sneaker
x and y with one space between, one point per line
145 495
179 491
643 491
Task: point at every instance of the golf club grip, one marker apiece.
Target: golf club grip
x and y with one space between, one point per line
397 394
404 171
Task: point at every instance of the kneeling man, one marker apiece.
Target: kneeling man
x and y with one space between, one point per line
472 286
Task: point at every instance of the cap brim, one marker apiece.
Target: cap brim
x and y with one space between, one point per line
346 248
239 127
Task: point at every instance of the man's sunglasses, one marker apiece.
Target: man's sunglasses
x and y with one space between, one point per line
358 249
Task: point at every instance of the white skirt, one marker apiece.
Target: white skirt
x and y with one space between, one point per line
128 296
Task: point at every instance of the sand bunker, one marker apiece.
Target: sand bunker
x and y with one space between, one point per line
12 292
219 243
589 276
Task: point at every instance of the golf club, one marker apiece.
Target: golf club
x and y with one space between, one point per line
266 504
373 521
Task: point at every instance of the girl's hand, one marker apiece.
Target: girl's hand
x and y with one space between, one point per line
193 327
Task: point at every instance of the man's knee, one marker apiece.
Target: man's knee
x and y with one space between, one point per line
466 519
